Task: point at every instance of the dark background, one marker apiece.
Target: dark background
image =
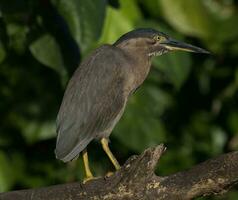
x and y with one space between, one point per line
188 102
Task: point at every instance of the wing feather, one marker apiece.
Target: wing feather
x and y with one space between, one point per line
92 100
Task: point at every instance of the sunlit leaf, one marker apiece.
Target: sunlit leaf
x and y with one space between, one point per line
189 17
119 21
47 51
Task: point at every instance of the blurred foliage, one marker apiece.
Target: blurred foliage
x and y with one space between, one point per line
188 101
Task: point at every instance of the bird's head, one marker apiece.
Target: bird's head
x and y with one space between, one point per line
153 43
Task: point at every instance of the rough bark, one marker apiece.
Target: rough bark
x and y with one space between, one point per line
136 180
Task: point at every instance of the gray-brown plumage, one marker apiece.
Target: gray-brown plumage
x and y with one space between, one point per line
92 101
98 91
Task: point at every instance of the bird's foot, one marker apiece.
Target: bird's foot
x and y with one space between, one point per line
89 178
109 174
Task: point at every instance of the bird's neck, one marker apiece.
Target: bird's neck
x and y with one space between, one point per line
139 64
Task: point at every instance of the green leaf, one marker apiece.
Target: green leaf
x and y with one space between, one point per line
225 31
47 51
34 130
6 178
17 37
120 21
85 19
189 17
219 139
140 126
176 67
232 195
232 122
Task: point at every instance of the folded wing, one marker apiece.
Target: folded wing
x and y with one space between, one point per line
92 101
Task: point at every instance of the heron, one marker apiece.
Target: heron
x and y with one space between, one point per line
97 93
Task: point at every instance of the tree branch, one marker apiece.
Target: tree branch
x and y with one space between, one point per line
136 180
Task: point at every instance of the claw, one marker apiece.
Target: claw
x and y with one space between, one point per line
109 174
90 178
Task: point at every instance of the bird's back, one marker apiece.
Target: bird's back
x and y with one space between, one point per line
92 102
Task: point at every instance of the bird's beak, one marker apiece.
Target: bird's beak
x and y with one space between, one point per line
171 44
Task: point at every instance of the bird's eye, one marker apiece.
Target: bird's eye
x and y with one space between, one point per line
157 38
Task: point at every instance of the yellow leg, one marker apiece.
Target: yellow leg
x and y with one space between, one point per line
105 147
88 172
